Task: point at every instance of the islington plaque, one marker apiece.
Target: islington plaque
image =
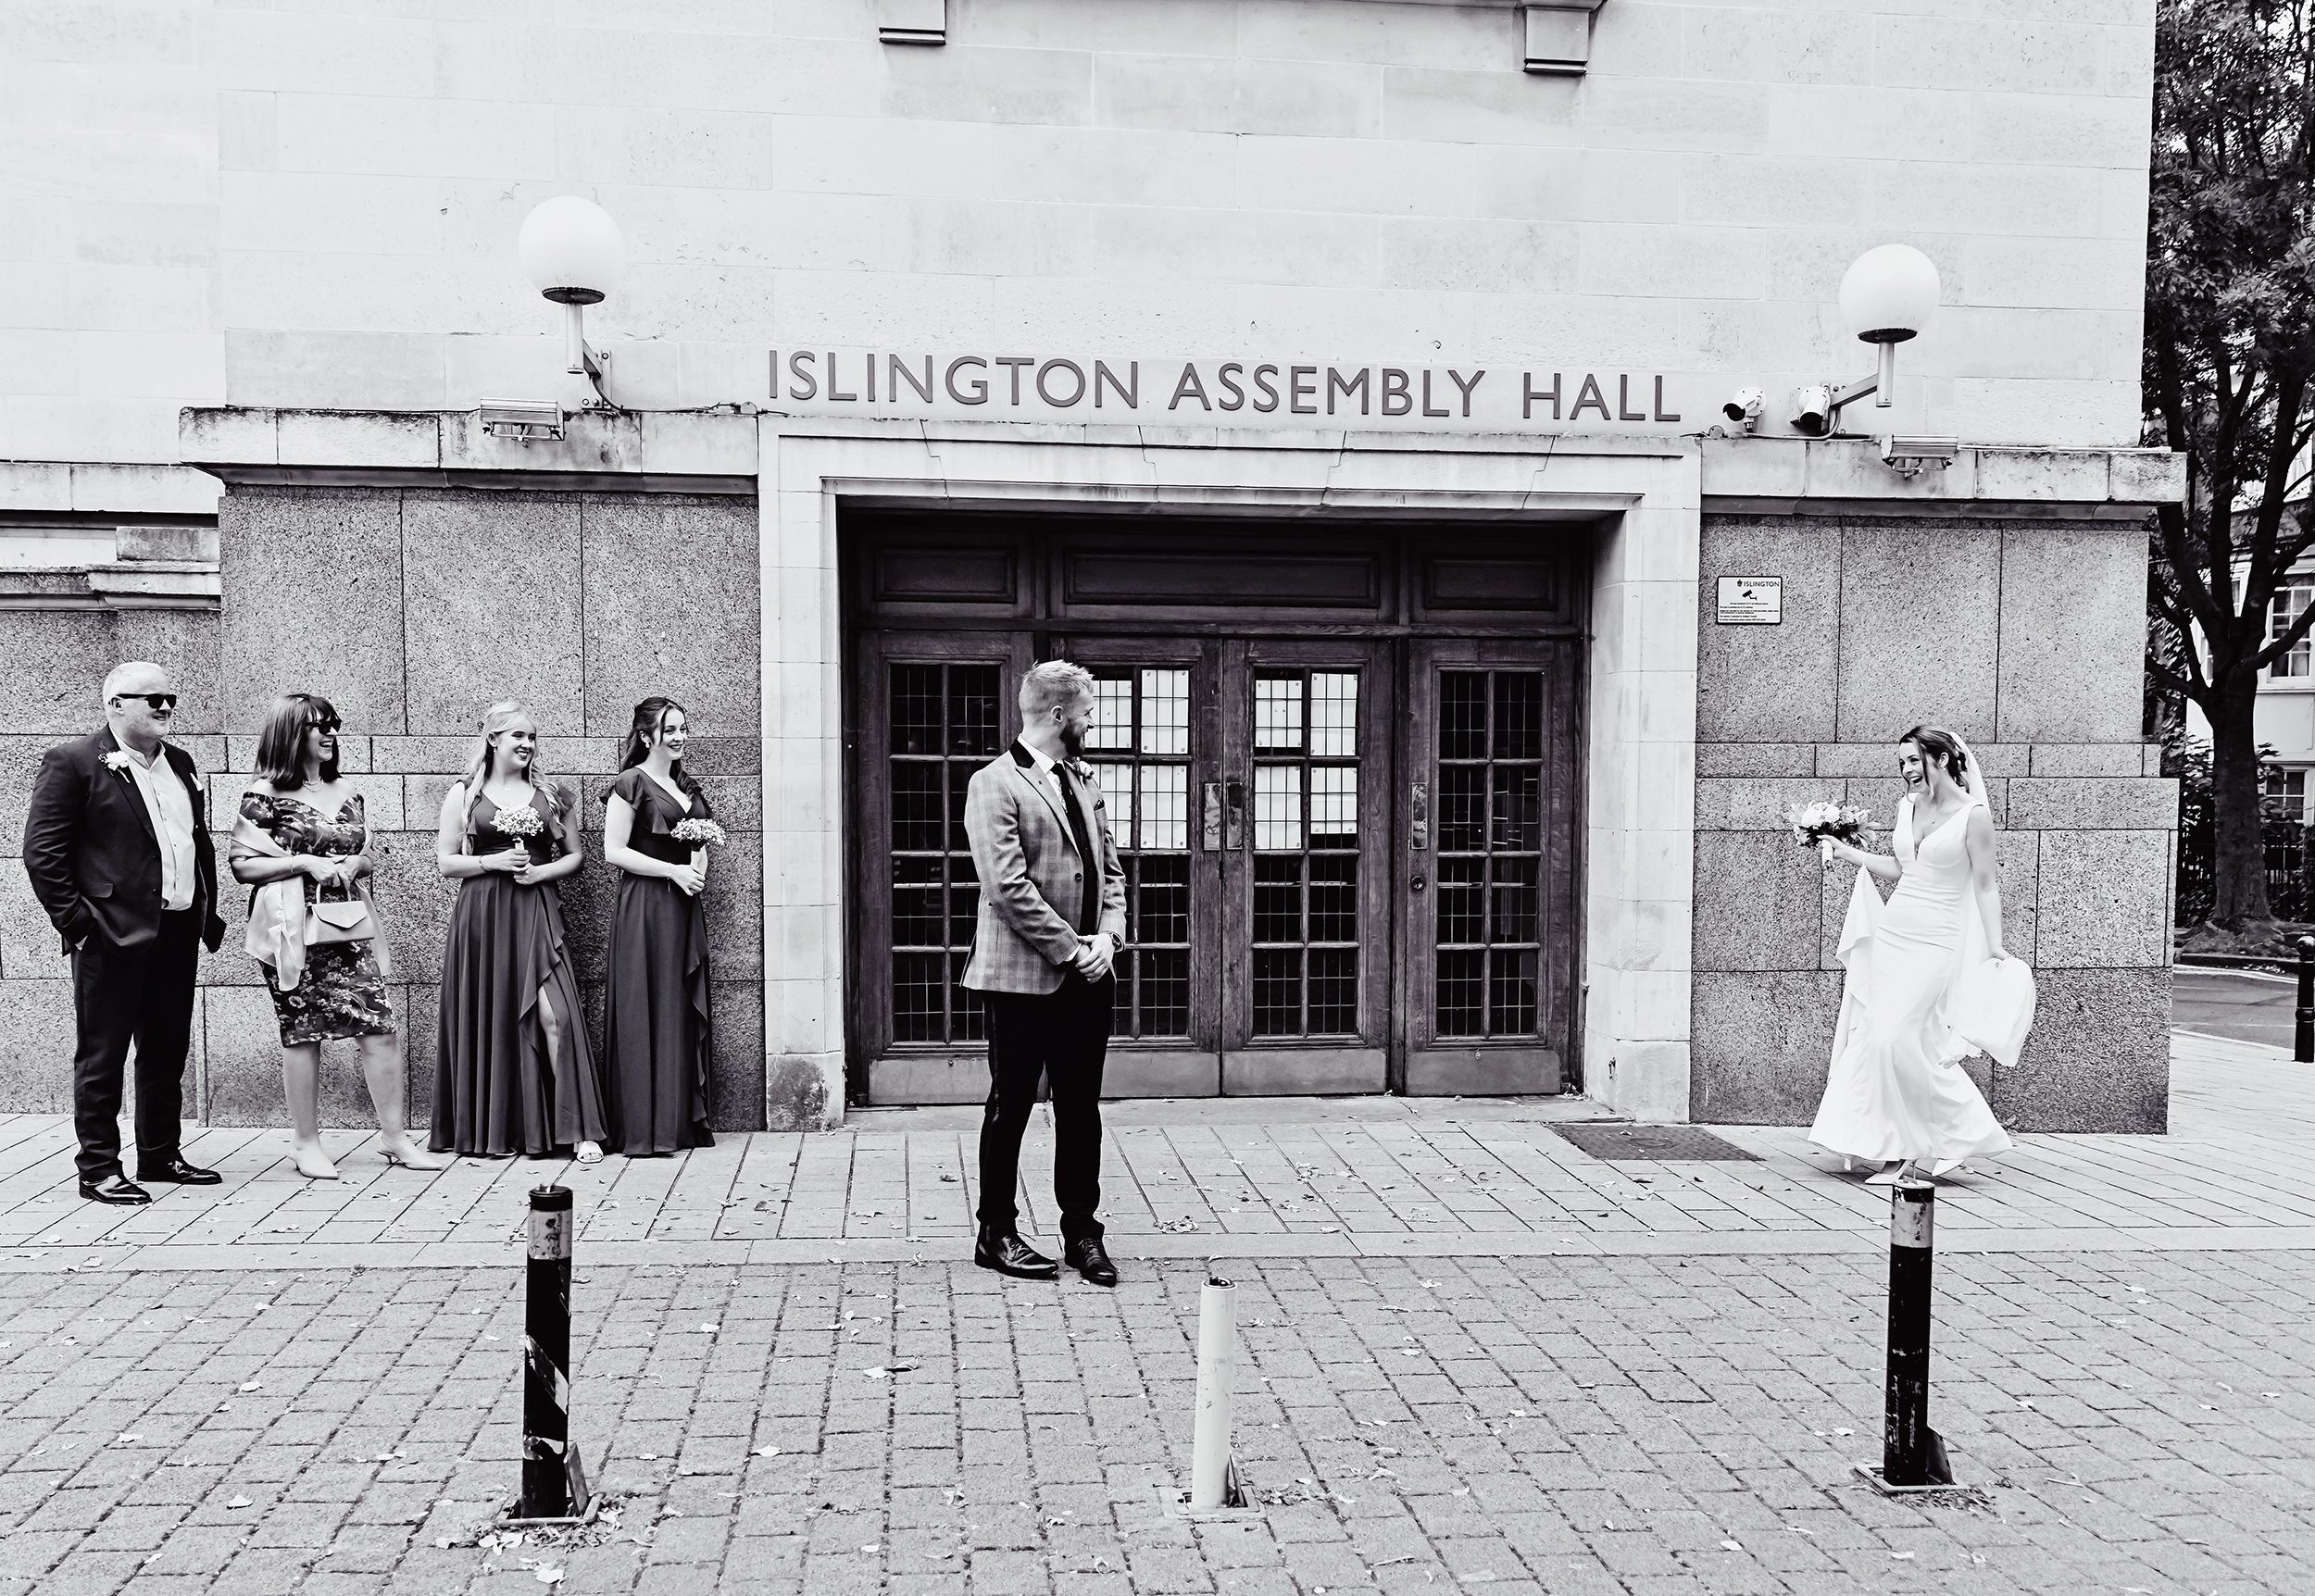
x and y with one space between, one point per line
1751 600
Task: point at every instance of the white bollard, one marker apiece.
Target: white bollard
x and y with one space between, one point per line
1211 1475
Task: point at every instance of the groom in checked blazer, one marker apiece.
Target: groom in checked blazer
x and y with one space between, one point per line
1052 918
117 843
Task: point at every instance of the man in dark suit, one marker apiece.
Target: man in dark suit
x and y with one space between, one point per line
117 843
1052 919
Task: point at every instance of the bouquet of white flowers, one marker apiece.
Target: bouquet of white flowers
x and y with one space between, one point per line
1814 823
523 822
700 833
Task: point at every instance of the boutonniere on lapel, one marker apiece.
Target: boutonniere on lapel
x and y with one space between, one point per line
1085 773
118 763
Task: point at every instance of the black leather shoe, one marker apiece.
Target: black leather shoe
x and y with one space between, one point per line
177 1172
115 1189
1091 1259
1009 1254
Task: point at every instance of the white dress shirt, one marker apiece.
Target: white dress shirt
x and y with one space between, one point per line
1044 764
170 805
1047 773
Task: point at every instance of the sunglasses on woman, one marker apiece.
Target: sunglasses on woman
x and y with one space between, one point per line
158 700
328 725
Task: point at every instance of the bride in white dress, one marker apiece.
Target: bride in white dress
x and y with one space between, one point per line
1896 1093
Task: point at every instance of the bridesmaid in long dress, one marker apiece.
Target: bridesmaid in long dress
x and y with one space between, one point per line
655 1025
512 1071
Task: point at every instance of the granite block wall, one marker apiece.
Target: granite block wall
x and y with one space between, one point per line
2024 636
413 610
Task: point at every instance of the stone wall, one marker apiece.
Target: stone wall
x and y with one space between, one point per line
412 610
2024 636
316 206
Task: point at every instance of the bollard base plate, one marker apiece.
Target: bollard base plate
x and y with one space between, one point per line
1871 1475
1237 1502
576 1471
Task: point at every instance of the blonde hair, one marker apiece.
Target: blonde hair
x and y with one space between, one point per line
1057 681
497 720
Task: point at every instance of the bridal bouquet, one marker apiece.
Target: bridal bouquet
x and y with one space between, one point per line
698 833
523 822
1813 823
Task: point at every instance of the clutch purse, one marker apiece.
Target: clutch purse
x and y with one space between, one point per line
346 920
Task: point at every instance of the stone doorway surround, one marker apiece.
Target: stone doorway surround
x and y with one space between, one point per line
1637 501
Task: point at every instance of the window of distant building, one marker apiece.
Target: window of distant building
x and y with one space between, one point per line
2284 791
2290 601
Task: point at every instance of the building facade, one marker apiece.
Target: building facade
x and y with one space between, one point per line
1341 382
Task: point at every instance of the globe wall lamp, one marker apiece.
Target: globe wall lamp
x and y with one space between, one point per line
1887 296
571 249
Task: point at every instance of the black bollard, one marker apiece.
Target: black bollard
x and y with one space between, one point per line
2303 1038
1911 1453
554 1483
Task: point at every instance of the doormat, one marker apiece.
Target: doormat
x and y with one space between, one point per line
1620 1143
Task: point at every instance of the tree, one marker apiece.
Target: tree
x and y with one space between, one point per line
2229 357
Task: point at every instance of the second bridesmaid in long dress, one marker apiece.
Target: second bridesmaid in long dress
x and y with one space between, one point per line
512 1070
656 1030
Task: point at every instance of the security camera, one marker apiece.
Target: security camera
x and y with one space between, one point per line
1744 408
1812 410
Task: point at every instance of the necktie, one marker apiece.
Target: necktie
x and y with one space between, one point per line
1089 910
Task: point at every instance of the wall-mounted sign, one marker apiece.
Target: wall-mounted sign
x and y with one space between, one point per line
1751 600
1247 389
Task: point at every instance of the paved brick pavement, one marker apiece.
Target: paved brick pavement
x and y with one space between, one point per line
2139 1422
1475 1359
1377 1176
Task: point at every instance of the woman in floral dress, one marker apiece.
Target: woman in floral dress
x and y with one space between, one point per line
303 837
512 1071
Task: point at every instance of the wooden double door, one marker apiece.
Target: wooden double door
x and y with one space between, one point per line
1350 862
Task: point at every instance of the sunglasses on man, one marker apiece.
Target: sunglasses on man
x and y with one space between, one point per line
158 700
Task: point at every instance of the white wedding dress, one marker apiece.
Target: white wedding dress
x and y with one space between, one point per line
1896 1089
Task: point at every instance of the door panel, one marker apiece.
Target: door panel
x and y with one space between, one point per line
1490 866
1152 747
931 709
1305 998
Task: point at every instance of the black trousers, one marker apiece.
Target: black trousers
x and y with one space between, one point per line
1063 1035
142 995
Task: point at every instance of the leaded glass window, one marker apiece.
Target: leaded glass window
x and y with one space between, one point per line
1490 852
1306 852
1140 753
946 721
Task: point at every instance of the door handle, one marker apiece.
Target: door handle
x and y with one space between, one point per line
1209 815
1233 815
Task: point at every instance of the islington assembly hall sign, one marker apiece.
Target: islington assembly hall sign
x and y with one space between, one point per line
1189 391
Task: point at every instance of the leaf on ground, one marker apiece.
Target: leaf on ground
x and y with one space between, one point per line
238 1502
767 1451
1730 1546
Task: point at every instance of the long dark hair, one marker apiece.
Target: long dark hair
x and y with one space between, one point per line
281 745
1937 742
650 720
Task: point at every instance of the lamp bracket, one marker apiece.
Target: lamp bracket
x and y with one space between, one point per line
1880 384
584 358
